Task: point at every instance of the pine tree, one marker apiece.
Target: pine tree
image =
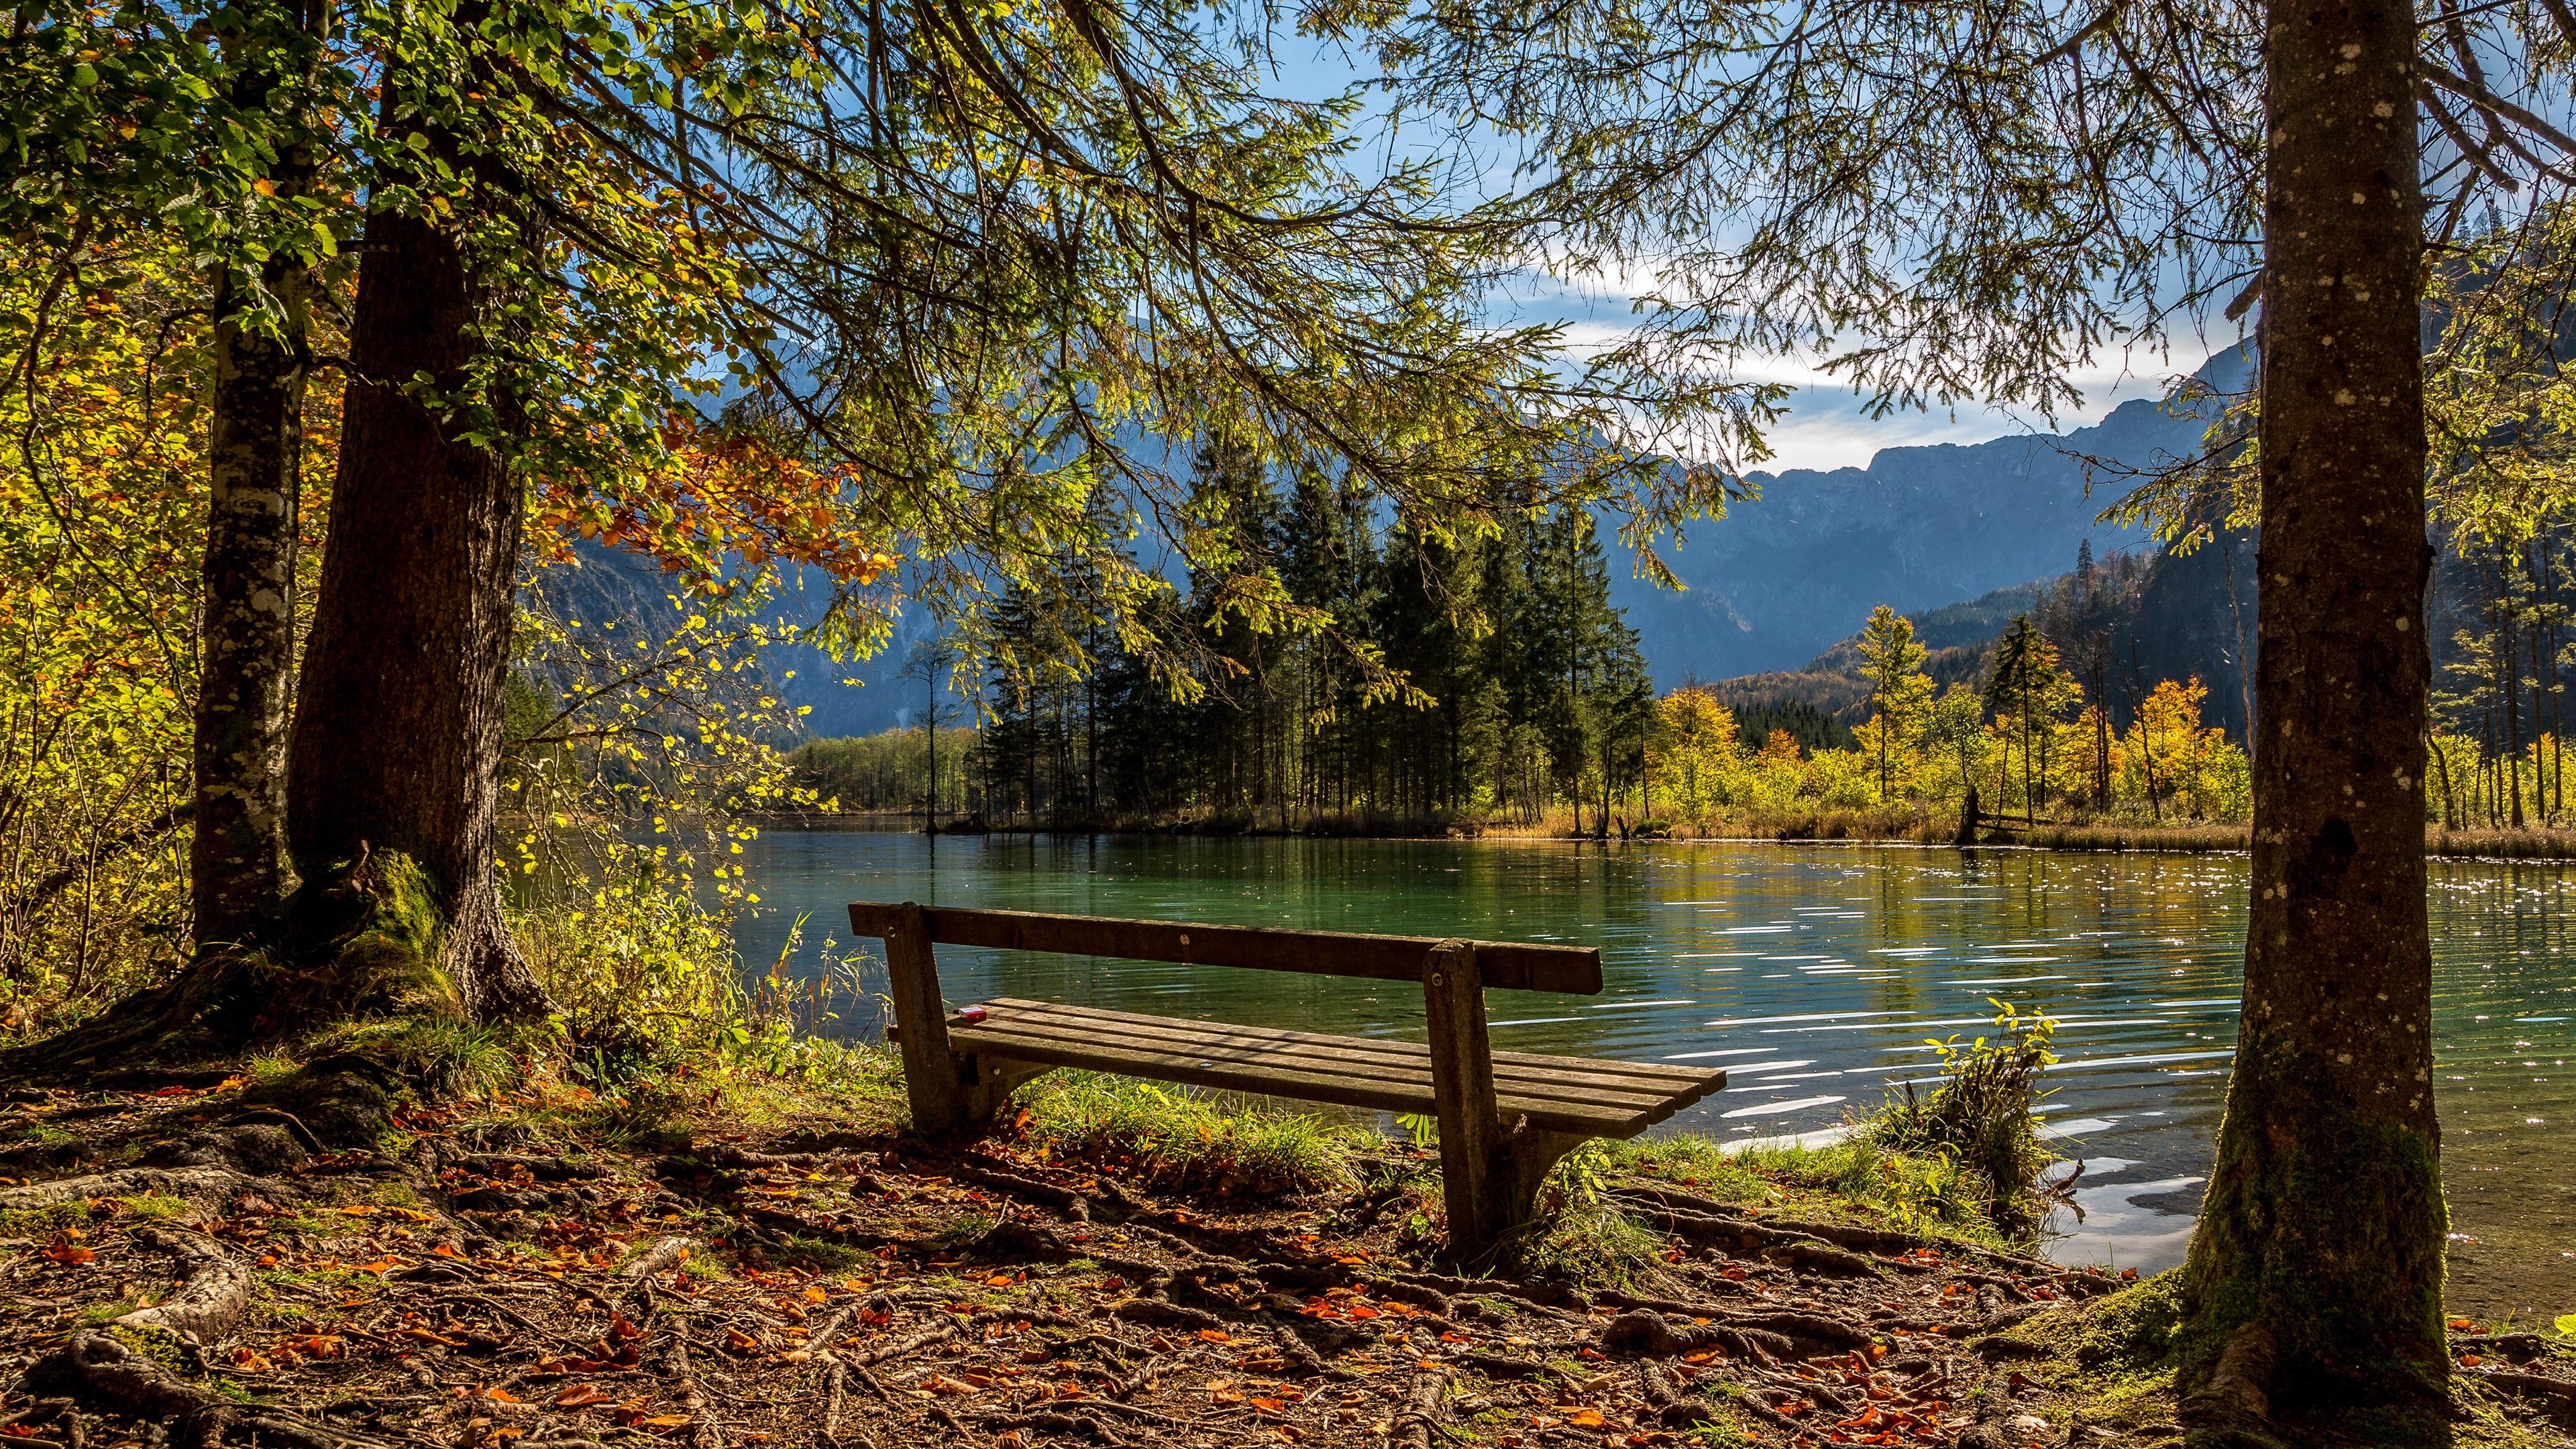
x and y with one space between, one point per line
2028 684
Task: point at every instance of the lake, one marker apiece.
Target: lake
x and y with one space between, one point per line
1815 974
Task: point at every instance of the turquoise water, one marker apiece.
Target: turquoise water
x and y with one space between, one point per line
1815 975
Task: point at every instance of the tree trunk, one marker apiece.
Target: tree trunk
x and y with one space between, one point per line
2509 682
238 862
398 724
240 871
2316 1273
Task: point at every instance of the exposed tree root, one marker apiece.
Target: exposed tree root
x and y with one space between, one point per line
2233 1408
1426 1410
207 1189
660 1258
103 1375
212 1299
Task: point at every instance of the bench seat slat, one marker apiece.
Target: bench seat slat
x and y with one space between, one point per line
1662 1076
1329 1055
1564 1094
1579 1078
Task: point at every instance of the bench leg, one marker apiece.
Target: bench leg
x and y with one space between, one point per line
1474 1176
933 1075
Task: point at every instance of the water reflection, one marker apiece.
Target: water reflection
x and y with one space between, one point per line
1819 977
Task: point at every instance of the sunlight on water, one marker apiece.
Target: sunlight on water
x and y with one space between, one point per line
1828 971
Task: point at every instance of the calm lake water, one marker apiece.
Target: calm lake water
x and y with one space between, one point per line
1814 974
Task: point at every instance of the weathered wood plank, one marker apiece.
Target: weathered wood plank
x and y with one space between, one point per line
1377 1093
1394 1061
1647 1078
1462 1082
1513 965
930 1067
1374 1093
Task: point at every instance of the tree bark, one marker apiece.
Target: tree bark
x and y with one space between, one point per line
239 866
398 722
2316 1274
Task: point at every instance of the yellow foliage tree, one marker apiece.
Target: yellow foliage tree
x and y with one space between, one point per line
1696 751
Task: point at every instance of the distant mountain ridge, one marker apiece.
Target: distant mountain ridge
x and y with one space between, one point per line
1780 579
1954 637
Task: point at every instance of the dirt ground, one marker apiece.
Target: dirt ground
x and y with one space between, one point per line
195 1265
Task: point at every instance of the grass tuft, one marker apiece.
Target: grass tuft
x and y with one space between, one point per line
1578 1234
1188 1141
440 1056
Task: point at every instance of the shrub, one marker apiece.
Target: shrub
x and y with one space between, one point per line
1980 1118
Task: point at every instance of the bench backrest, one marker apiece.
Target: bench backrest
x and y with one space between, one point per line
1574 970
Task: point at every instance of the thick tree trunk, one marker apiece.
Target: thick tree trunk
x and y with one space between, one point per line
398 721
2316 1275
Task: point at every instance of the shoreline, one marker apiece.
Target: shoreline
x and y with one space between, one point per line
2498 846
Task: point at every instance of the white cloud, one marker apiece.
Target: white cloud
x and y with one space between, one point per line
1827 426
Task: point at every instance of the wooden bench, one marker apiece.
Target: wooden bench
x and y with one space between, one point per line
1505 1117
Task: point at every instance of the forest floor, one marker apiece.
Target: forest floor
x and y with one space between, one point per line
717 1264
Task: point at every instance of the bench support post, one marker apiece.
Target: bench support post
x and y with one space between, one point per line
1475 1179
1531 1152
990 1081
930 1069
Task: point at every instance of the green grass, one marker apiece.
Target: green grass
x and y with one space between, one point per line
1698 1163
44 1221
156 1207
812 1253
1189 1141
1578 1234
442 1057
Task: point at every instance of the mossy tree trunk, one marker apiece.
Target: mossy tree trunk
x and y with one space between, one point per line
397 740
2316 1274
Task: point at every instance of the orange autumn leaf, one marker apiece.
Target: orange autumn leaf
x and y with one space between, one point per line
578 1395
1586 1419
1212 1335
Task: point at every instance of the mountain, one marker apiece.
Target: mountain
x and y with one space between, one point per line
1954 637
2129 621
1780 579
